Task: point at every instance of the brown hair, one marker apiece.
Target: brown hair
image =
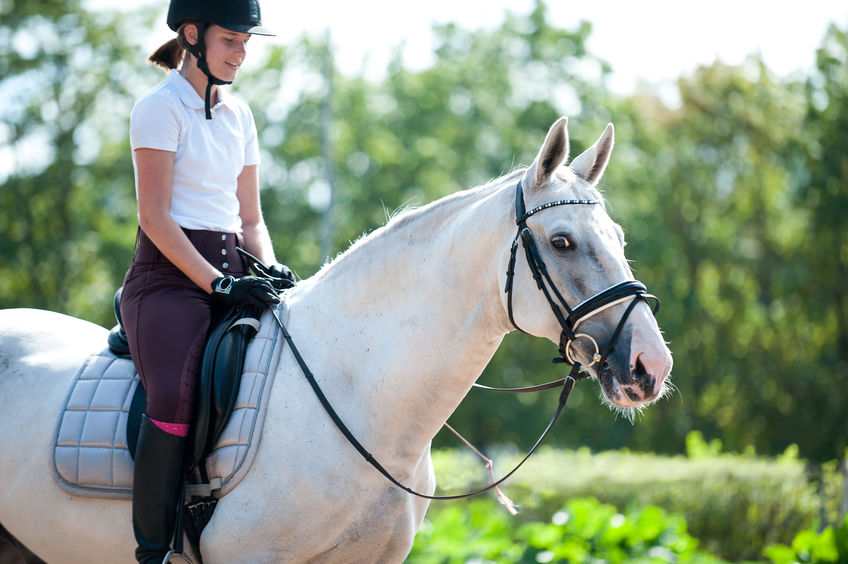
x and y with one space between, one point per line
170 54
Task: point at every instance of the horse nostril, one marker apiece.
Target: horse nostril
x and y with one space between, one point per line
639 371
650 365
644 379
633 394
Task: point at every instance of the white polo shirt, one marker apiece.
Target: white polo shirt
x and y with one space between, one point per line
209 154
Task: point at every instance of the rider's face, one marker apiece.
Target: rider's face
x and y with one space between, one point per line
225 51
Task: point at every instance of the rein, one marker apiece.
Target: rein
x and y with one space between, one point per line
567 385
629 290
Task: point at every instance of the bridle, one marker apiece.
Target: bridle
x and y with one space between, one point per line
628 290
570 320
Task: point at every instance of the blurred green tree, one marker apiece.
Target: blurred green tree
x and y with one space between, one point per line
820 341
714 229
67 75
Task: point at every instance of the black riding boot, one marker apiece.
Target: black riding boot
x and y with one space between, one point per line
157 481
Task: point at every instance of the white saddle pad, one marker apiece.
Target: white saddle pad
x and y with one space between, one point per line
90 453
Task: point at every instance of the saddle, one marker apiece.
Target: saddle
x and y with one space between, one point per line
223 361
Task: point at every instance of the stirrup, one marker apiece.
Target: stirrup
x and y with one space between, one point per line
176 558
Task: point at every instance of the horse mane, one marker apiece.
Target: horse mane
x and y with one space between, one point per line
408 214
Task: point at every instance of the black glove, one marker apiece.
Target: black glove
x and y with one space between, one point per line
277 274
246 290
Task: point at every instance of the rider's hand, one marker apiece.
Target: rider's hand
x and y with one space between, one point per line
278 274
250 290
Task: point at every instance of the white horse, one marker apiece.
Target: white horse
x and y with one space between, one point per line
396 330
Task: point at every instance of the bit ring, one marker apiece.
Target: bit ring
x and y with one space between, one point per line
596 358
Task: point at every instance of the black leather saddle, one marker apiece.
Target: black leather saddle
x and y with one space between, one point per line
223 362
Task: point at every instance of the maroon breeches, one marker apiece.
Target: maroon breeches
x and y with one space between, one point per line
166 317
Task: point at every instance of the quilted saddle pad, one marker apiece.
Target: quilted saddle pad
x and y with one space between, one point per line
90 452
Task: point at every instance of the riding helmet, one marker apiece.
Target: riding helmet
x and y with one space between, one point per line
243 16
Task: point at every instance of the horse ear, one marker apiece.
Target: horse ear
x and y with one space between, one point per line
553 153
592 162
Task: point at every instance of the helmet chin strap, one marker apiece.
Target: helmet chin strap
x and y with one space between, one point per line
199 52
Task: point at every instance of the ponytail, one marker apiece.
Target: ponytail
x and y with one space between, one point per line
169 55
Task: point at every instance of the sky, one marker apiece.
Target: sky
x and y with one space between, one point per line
652 41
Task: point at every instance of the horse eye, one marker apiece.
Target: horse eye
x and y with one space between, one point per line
561 242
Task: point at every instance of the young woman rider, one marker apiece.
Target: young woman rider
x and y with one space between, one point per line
195 154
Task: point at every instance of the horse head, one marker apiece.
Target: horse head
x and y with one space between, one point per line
573 283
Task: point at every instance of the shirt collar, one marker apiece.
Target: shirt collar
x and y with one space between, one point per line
189 96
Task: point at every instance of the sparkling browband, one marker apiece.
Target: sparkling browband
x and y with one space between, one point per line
552 204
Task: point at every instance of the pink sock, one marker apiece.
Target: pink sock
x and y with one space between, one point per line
178 429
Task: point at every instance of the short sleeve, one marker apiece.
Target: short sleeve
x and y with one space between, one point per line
251 141
154 124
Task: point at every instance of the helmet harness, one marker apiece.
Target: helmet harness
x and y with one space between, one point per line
199 51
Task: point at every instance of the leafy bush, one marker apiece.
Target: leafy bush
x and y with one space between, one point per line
831 545
585 530
735 504
831 487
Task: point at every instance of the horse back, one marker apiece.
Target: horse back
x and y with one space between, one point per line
45 339
40 351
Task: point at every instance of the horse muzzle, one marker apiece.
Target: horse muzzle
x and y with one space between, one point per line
637 375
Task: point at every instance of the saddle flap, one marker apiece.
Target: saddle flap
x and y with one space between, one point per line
223 363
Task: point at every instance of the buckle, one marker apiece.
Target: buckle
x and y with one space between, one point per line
176 558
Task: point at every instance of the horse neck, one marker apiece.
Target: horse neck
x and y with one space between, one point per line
408 318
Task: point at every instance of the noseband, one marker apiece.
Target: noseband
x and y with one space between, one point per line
569 318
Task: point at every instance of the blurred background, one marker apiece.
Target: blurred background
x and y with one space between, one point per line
729 177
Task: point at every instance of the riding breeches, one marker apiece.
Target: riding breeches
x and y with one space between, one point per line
167 319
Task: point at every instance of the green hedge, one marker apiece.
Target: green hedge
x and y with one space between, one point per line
584 530
736 505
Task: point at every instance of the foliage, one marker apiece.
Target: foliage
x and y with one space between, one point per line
829 545
832 483
735 504
67 200
824 193
584 530
733 202
719 245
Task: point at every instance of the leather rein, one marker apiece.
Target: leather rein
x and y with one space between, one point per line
629 290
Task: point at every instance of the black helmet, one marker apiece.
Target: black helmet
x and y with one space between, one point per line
243 16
